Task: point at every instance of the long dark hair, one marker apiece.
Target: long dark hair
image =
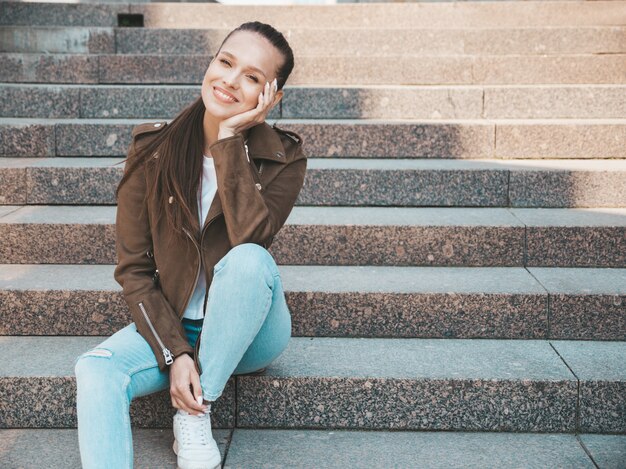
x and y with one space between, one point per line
179 146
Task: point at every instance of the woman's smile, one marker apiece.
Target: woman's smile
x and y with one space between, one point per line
223 96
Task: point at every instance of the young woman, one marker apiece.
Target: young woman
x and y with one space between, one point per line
199 204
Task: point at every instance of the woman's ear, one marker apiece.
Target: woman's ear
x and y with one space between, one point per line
277 97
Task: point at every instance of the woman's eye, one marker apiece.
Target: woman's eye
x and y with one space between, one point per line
256 80
224 61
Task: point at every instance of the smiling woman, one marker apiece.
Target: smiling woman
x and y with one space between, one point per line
200 202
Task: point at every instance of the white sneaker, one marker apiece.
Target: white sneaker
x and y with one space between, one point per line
193 441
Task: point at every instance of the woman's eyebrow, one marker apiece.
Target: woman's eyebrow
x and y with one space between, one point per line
249 66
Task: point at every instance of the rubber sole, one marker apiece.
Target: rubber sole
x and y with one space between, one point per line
209 465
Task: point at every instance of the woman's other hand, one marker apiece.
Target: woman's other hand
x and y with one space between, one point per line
240 122
183 374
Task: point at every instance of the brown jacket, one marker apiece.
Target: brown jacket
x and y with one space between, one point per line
257 186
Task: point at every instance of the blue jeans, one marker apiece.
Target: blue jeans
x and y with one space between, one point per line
248 325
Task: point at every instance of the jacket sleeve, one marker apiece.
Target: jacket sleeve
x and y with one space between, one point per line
154 317
253 215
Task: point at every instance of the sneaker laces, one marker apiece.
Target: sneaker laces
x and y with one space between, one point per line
196 430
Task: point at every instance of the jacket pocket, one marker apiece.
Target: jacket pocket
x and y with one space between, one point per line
166 352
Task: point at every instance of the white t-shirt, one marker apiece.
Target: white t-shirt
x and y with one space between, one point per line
209 187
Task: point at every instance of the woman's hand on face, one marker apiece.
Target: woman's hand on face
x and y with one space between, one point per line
242 121
183 374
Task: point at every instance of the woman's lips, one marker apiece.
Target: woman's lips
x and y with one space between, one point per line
221 98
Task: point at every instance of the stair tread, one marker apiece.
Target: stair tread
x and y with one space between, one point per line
363 279
356 216
356 449
350 358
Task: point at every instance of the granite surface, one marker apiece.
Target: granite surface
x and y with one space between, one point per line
49 68
556 101
61 14
608 451
406 102
411 384
13 183
92 139
152 448
543 188
35 101
357 138
601 369
585 303
175 68
400 449
585 140
27 140
61 182
54 40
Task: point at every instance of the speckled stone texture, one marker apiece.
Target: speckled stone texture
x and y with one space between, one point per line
574 237
413 42
402 15
39 390
54 40
326 301
170 41
34 101
141 102
136 102
86 235
608 451
61 14
336 183
50 402
411 384
434 450
585 304
152 68
398 245
152 448
406 102
13 183
543 188
63 181
556 101
93 139
601 369
362 139
586 140
450 315
574 246
27 140
49 68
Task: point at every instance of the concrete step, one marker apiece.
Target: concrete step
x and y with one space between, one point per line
322 42
352 138
351 301
447 236
376 384
581 102
356 182
449 15
312 70
334 449
152 448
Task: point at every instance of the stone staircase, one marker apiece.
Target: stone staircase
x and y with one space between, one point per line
455 264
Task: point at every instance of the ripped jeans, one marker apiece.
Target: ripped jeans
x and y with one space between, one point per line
248 325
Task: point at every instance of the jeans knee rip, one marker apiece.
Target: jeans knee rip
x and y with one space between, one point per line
98 352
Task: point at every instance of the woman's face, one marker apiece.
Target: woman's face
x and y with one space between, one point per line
240 69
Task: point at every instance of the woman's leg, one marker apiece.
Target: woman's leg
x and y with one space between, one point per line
108 378
247 322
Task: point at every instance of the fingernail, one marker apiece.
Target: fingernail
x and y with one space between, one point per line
199 399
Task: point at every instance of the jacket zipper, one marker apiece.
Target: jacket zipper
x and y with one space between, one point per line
166 352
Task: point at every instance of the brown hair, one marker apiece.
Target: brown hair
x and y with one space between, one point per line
180 145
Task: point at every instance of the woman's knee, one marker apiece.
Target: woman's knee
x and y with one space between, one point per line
96 369
249 258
